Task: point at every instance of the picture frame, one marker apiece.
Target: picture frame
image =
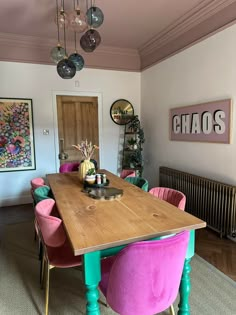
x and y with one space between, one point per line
121 112
17 151
204 122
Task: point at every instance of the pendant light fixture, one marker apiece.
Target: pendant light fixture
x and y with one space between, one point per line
65 67
95 16
77 59
77 19
90 40
58 52
79 23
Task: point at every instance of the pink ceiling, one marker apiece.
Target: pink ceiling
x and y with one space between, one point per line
134 34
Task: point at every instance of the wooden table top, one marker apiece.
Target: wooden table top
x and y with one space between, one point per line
99 224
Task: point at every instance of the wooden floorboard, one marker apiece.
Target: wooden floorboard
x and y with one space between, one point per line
221 253
16 214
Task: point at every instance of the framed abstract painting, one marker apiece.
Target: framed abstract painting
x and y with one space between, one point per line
16 135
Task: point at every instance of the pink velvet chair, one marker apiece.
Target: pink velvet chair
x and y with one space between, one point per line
144 277
175 197
57 249
37 182
69 167
127 173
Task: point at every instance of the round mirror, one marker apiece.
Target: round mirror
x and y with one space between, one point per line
121 112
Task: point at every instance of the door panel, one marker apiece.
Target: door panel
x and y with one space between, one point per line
77 120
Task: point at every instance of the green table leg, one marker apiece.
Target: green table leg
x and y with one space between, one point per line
185 284
92 276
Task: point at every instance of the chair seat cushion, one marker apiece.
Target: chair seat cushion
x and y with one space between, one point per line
63 257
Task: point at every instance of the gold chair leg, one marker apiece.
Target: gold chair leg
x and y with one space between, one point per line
103 303
41 265
47 288
172 311
42 277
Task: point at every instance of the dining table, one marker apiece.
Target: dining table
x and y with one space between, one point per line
97 228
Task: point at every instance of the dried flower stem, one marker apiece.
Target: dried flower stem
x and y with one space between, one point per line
86 148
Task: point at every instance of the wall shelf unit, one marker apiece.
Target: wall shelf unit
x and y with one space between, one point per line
132 147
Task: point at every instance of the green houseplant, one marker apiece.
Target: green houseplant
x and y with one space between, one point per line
91 171
90 176
134 158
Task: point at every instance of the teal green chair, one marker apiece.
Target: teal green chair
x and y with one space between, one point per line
41 193
138 181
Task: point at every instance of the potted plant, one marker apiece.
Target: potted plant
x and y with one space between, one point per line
132 144
135 126
90 176
135 159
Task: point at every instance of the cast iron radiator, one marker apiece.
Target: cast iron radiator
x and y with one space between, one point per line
209 200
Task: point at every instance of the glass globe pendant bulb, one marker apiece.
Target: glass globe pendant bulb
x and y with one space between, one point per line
61 19
90 40
95 17
77 60
66 69
77 21
57 53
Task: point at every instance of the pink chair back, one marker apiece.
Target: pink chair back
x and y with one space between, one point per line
175 197
69 167
51 227
37 182
144 278
127 173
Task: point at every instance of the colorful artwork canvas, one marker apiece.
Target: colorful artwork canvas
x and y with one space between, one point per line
16 135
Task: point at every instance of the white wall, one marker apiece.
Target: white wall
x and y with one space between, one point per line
41 83
204 72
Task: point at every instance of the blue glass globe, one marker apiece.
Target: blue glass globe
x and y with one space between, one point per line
95 17
90 40
77 60
57 53
66 69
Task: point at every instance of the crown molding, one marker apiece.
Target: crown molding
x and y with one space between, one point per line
30 49
203 20
192 18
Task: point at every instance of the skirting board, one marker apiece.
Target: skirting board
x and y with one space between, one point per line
19 200
232 238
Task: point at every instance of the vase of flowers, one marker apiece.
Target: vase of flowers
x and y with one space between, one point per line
87 150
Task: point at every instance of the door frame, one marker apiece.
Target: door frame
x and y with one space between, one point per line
55 124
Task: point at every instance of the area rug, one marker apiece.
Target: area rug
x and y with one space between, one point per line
212 293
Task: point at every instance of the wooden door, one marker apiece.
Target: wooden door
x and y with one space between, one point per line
77 120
